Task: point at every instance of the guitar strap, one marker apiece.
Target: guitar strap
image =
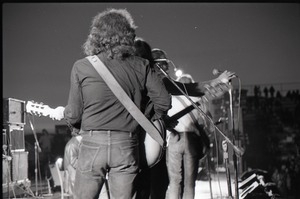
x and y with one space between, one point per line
124 99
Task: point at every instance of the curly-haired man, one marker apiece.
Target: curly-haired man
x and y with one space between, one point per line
109 145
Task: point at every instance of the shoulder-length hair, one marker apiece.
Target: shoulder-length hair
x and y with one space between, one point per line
112 31
143 49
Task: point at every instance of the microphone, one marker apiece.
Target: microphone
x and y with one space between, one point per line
177 71
168 61
217 72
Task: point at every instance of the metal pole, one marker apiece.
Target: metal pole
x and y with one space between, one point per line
233 135
37 149
209 173
35 169
225 156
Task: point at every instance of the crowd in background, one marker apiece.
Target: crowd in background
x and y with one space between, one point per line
276 126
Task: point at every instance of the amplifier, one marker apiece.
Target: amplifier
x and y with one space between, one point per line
13 111
16 137
19 165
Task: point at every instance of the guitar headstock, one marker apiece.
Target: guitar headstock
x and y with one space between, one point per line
38 109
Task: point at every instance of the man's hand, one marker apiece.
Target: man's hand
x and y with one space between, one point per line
217 90
170 123
217 87
58 113
223 78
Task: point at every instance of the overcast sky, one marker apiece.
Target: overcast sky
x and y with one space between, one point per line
41 41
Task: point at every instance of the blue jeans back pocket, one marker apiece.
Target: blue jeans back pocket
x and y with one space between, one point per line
88 154
129 153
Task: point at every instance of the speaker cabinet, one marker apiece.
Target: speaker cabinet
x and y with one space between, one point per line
13 111
16 138
19 165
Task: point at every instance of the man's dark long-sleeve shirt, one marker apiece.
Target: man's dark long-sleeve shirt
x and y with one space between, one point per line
192 89
93 104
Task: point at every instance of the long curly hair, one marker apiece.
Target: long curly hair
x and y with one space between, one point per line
112 31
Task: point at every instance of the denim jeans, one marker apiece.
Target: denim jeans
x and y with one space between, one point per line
182 162
107 152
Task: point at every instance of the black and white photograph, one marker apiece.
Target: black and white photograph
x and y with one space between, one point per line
151 100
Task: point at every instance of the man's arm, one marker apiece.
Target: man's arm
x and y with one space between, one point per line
73 110
192 89
158 94
200 88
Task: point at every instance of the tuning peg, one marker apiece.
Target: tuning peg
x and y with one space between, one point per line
37 114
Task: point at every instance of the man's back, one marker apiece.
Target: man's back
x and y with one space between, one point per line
101 109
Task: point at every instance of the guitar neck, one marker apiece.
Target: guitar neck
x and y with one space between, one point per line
184 111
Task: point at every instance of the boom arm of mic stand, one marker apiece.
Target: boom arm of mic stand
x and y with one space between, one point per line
238 151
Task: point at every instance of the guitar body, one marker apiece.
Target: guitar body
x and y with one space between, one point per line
152 150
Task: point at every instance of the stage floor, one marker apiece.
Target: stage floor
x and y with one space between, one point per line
219 189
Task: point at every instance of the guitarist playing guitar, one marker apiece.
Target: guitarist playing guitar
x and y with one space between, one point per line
187 144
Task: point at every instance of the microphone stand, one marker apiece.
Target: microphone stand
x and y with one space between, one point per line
238 151
37 149
225 156
6 156
235 165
